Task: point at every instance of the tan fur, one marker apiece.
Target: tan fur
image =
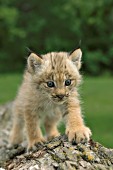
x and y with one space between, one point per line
37 102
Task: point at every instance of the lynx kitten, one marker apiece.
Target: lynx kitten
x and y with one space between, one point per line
49 93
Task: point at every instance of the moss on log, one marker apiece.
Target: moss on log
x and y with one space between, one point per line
57 154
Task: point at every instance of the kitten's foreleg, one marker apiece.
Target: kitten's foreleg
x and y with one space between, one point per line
51 123
75 128
16 136
33 130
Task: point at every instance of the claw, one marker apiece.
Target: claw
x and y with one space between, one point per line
78 135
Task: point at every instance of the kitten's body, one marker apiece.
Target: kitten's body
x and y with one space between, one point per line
36 101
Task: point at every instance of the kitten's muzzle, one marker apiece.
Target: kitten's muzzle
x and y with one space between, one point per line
60 96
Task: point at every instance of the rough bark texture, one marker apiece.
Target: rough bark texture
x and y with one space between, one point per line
57 154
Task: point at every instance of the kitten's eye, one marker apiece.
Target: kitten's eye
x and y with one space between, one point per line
50 84
67 82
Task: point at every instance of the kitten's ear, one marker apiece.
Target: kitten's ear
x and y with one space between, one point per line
34 62
75 56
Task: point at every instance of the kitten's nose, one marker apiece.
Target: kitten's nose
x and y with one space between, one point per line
60 96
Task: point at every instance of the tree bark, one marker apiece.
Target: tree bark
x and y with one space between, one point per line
57 154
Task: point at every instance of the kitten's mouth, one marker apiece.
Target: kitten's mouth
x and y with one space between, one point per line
58 101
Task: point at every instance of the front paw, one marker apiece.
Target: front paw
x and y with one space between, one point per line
79 134
32 146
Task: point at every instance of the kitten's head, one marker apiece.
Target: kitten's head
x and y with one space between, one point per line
56 74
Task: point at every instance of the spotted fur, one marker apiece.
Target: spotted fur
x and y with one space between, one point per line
37 102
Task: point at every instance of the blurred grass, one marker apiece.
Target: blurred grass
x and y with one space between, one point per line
97 97
9 84
98 106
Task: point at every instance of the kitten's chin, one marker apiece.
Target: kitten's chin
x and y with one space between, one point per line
59 102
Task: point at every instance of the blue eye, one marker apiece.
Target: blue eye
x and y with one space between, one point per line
67 82
50 84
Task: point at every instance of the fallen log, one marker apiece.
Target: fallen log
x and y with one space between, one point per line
57 154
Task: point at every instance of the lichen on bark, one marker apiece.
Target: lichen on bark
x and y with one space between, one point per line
57 154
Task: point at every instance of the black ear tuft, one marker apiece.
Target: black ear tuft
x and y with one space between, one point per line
78 46
29 51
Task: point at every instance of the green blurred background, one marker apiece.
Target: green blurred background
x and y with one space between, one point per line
50 25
